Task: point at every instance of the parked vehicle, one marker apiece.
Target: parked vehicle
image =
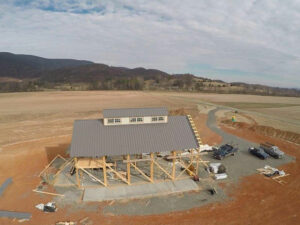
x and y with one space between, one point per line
223 151
272 150
258 152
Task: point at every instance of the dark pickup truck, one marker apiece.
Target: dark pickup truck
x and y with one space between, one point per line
223 151
272 150
258 152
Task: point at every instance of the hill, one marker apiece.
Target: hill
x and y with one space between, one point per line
27 66
32 73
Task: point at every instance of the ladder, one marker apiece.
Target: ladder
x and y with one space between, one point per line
194 130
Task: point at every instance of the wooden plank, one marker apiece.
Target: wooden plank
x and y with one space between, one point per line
61 157
90 163
63 166
88 173
173 165
285 175
104 170
152 166
141 172
118 174
187 156
160 167
187 168
197 165
47 193
77 176
136 160
128 170
49 164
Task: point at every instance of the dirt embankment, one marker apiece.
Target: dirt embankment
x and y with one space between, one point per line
264 130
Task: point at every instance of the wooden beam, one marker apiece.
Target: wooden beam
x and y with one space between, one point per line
118 174
90 163
136 160
77 176
48 193
104 171
88 173
197 165
63 166
128 170
152 166
187 156
285 175
187 168
160 167
141 172
173 165
49 164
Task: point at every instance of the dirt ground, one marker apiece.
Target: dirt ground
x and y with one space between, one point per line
34 127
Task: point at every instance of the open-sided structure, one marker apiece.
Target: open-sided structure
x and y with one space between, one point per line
130 136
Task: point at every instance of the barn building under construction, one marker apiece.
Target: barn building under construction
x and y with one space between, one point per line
124 139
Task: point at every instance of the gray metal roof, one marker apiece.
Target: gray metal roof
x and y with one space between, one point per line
91 138
110 113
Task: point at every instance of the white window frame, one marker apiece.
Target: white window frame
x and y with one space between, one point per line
154 119
139 121
161 118
117 120
110 121
132 120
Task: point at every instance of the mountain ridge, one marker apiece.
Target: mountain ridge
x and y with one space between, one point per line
27 66
20 72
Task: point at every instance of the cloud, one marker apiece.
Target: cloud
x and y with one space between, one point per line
253 41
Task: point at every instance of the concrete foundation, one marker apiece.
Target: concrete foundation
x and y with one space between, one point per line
139 190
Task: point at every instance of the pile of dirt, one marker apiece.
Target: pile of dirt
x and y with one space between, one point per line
265 130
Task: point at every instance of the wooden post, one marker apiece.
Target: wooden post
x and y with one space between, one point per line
128 170
174 165
104 170
197 163
77 175
151 167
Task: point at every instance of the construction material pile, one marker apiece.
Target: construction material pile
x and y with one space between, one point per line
206 148
219 170
49 207
271 171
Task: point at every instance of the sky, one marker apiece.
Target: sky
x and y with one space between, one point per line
247 41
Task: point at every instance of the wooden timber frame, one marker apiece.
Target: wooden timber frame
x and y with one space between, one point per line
194 156
176 157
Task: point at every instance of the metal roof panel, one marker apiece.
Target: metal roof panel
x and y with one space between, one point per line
91 138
